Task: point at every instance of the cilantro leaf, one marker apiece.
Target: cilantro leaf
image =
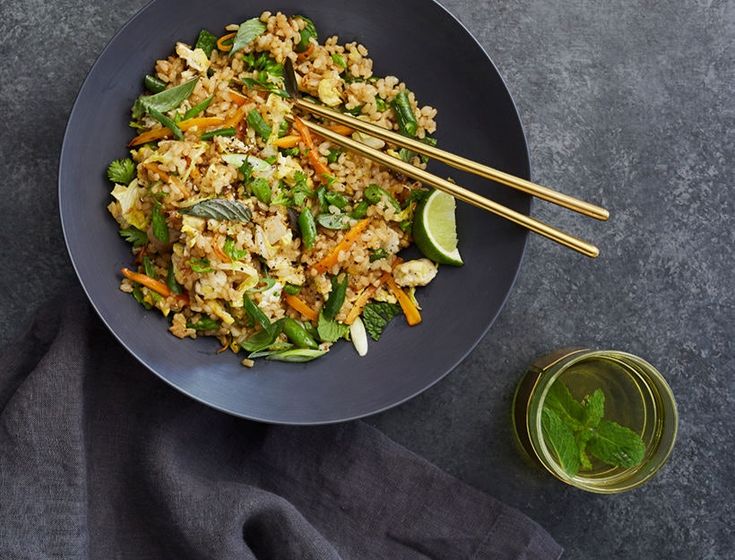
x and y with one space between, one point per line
121 171
376 317
134 235
616 445
560 439
330 330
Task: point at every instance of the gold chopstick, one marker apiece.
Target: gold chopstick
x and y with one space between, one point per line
456 161
455 190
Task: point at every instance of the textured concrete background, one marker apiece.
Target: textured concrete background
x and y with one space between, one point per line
629 102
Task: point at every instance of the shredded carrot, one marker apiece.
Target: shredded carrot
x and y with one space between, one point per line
341 129
235 119
287 141
345 243
201 122
300 305
360 303
220 253
412 313
221 42
147 281
304 55
153 168
236 98
150 136
317 164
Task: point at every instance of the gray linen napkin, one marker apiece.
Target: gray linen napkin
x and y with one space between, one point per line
99 459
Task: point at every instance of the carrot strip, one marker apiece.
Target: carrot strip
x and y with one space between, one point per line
150 136
220 253
235 119
287 141
304 55
317 164
301 306
346 242
153 168
236 98
341 129
221 42
360 303
147 281
413 315
201 122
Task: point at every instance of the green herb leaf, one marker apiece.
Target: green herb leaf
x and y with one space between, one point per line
158 224
377 315
374 194
616 445
262 190
233 252
121 171
139 297
246 33
220 209
330 330
153 84
307 33
297 355
339 60
167 122
560 439
333 155
594 408
263 339
255 120
252 83
171 282
206 41
200 265
561 401
135 236
292 289
204 324
377 254
334 221
166 100
150 270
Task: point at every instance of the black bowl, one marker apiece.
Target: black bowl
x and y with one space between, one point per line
422 44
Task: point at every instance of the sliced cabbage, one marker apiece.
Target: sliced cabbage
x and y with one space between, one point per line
128 197
328 92
370 141
197 59
220 312
261 168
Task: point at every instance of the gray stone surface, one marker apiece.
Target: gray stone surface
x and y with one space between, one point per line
628 102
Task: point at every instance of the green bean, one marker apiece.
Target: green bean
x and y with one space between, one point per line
262 190
167 122
360 210
407 124
336 297
255 119
219 132
204 324
255 312
292 289
148 267
153 84
307 227
173 285
297 334
198 108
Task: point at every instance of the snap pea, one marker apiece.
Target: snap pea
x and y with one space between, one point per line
307 227
198 108
360 210
262 190
153 84
167 122
407 123
219 132
255 119
255 312
336 199
374 194
297 334
336 297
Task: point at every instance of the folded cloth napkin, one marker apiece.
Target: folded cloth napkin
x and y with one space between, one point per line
100 459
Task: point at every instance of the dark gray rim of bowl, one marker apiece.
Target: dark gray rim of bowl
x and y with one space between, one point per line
526 161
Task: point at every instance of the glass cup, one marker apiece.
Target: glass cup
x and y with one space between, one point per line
636 396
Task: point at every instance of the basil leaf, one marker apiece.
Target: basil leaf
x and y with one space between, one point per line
334 221
220 209
246 33
560 439
616 445
297 355
377 315
135 236
262 339
206 41
164 101
158 224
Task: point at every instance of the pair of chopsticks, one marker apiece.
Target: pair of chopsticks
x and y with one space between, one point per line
453 160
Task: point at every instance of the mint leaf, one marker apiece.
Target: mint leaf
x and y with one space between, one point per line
594 408
569 410
560 439
616 445
330 330
376 317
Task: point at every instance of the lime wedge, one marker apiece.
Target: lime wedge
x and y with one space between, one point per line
435 229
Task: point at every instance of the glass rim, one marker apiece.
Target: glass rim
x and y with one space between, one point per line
545 455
